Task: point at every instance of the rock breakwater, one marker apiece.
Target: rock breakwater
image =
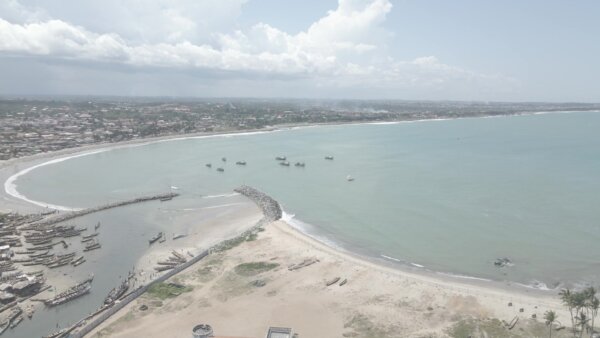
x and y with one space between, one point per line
270 207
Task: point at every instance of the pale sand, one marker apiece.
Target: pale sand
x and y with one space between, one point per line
376 302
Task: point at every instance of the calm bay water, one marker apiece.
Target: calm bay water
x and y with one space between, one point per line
450 195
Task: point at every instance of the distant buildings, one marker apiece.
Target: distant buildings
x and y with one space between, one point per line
30 127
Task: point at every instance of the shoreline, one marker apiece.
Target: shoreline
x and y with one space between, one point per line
11 194
404 266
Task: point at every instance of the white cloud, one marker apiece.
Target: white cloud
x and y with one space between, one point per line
343 48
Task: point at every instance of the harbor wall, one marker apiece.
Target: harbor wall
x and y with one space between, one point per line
73 214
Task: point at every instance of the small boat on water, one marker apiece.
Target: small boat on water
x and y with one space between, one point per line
285 163
118 292
224 159
97 226
349 178
155 238
240 162
329 157
220 170
280 158
208 165
92 246
299 164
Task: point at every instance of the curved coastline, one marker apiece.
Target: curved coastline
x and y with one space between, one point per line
10 186
11 189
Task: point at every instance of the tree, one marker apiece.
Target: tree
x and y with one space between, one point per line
583 307
567 298
550 317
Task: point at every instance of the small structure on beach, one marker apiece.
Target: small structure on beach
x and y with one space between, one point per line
279 332
202 331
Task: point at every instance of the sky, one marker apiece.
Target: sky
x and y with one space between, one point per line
479 50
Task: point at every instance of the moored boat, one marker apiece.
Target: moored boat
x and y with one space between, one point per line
155 238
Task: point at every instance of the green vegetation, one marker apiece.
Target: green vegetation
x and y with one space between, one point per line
254 268
550 317
163 291
230 244
583 308
362 326
480 328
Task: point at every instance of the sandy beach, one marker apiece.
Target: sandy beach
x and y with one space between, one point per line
376 301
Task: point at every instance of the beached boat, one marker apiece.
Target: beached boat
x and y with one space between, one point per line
166 198
329 157
299 164
155 238
332 281
164 268
280 158
285 163
178 236
89 236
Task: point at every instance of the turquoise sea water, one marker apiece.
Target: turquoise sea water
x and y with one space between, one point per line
449 195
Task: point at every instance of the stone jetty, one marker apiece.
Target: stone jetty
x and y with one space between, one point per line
73 214
270 208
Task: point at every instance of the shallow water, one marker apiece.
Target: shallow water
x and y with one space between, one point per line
449 195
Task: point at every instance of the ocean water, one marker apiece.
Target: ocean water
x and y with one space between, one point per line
448 196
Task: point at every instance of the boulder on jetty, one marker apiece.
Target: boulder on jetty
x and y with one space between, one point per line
270 208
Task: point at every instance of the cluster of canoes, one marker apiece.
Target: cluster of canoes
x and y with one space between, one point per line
173 261
72 293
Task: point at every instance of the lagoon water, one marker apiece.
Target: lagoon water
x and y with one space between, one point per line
451 195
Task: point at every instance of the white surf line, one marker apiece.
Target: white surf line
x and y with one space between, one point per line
11 187
222 195
223 205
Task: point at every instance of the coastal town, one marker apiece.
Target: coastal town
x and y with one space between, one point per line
31 126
